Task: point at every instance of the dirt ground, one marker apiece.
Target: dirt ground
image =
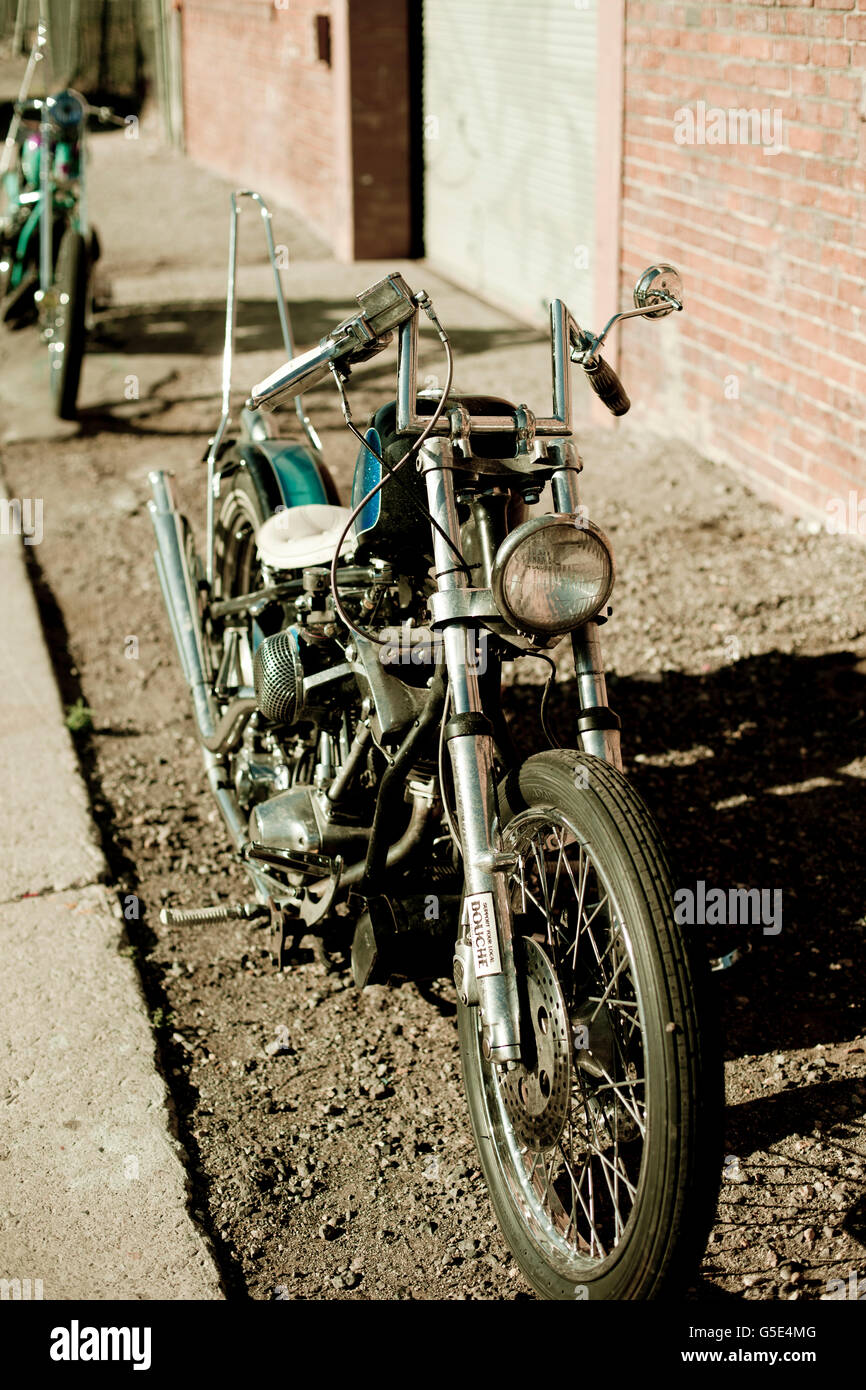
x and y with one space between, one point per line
338 1164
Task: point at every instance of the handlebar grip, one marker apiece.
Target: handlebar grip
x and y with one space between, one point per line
608 387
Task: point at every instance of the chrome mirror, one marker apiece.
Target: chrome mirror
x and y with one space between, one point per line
659 285
658 292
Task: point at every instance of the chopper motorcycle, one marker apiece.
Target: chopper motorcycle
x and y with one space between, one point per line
48 246
344 666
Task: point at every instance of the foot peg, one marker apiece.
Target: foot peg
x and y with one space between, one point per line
206 916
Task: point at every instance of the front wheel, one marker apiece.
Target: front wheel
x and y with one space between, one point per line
601 1147
69 326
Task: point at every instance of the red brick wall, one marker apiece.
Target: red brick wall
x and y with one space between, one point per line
767 368
258 104
333 141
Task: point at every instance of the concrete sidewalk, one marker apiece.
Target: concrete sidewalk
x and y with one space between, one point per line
92 1188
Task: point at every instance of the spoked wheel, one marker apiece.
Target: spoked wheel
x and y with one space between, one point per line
69 322
600 1148
242 507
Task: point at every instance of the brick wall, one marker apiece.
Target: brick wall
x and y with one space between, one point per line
258 102
263 108
767 369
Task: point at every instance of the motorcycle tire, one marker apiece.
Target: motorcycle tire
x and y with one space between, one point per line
70 322
602 1148
247 497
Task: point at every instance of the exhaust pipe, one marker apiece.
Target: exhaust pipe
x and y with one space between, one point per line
179 596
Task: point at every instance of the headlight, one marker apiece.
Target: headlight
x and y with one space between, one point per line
67 109
552 574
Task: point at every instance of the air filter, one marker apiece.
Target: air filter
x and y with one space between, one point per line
279 677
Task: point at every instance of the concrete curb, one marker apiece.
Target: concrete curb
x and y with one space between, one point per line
93 1191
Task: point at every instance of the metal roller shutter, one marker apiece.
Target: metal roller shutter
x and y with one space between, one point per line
509 146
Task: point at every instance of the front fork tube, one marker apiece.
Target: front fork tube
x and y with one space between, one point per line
598 726
483 863
470 745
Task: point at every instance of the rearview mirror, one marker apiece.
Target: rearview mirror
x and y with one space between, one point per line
661 285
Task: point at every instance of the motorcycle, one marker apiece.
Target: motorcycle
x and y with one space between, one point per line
344 665
47 246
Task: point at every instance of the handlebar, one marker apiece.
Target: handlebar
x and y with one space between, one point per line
391 304
106 115
38 104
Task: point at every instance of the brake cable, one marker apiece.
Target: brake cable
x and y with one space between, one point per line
440 762
391 468
545 696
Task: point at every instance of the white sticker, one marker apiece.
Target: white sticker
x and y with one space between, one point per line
478 911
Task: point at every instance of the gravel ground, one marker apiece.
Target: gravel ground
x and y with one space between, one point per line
327 1135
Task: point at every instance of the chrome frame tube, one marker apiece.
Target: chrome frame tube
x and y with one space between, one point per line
36 56
45 212
285 320
46 187
472 764
560 359
83 211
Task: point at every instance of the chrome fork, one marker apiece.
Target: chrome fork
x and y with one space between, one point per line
470 744
598 726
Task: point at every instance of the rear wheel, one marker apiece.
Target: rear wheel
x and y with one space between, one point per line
245 500
600 1149
66 347
244 503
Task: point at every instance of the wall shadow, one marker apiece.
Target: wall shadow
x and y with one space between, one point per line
198 327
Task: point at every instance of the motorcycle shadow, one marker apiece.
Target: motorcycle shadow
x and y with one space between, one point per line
756 774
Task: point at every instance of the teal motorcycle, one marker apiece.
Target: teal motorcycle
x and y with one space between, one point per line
47 245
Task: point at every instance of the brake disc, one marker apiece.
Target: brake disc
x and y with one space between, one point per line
537 1094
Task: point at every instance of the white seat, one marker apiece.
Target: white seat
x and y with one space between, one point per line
299 536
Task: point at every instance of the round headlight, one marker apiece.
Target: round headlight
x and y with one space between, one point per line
552 574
